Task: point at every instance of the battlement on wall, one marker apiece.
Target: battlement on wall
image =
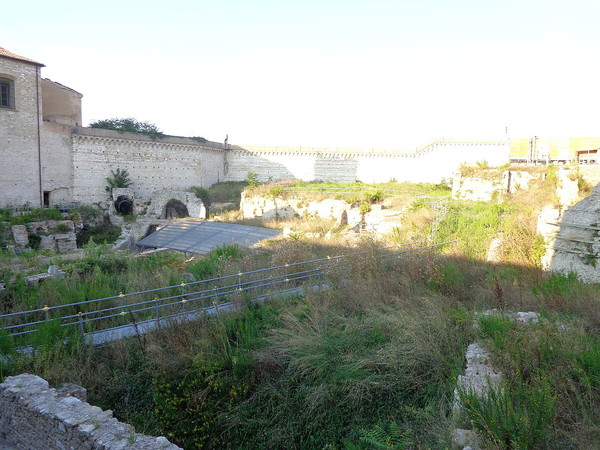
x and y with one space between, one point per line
100 133
332 151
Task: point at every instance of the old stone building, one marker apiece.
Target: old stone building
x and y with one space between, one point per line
47 157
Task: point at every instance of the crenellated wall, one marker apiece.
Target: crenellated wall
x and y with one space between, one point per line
153 163
437 161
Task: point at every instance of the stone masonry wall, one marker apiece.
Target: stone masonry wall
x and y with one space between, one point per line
33 415
57 163
153 163
19 174
433 163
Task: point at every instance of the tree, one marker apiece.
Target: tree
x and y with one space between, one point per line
119 179
127 124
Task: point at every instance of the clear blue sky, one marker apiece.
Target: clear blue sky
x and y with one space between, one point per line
389 74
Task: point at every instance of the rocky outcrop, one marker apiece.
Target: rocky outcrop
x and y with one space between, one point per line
377 220
572 237
488 183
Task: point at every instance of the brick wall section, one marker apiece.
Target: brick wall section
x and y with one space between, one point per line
19 173
153 164
33 415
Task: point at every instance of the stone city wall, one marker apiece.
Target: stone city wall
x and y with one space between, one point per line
153 163
33 415
432 163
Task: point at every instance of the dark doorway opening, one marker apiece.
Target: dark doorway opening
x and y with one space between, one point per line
174 209
124 205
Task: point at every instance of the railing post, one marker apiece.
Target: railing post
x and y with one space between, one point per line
81 327
183 298
122 304
156 310
46 309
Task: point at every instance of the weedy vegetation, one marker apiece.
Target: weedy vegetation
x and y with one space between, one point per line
369 360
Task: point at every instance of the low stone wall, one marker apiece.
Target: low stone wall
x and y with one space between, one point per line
33 415
58 235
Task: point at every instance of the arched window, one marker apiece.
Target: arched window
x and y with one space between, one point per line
7 93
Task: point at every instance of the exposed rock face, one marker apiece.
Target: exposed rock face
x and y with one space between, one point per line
33 415
572 236
490 183
568 189
378 219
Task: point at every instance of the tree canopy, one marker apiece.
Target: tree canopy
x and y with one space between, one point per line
126 124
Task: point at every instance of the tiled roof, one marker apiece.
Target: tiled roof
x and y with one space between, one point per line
11 55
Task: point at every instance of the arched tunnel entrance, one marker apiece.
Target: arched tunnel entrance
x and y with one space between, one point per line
174 209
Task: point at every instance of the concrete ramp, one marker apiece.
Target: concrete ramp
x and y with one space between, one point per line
202 237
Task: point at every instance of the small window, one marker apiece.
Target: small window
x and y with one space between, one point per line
6 93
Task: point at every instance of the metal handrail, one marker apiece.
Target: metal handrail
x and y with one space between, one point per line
293 273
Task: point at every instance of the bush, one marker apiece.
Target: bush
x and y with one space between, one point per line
252 179
517 416
275 191
119 179
102 234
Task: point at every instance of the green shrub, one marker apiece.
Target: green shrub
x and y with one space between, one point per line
210 265
103 259
35 240
102 234
62 228
496 328
227 191
386 436
202 194
275 191
516 416
252 179
364 207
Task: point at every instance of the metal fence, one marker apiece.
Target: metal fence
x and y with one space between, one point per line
125 314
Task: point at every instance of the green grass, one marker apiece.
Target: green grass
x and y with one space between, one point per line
370 362
226 191
474 224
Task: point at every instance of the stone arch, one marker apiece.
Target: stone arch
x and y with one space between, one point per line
174 209
158 202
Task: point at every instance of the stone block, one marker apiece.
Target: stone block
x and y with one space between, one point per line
47 242
73 390
20 235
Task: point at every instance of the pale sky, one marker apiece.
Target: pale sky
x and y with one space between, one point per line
383 74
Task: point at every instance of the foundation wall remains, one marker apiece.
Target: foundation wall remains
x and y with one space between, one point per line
33 415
